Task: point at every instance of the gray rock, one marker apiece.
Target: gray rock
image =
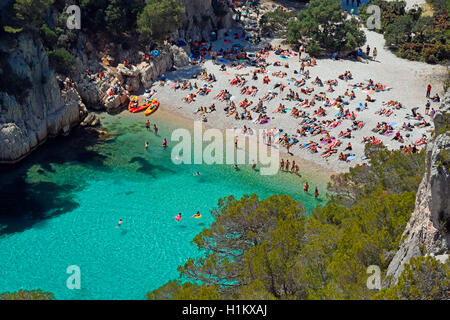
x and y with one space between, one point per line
41 111
427 231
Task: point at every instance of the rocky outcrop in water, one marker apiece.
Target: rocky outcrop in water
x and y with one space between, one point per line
428 230
37 112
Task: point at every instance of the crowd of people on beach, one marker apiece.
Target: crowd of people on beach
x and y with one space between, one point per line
311 101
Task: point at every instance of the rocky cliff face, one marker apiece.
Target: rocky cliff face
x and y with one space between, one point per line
428 230
200 20
41 112
45 111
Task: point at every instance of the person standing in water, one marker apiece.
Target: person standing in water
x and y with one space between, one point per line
146 145
155 129
164 145
306 186
119 224
316 193
147 125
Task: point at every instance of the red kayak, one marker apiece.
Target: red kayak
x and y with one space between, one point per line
137 109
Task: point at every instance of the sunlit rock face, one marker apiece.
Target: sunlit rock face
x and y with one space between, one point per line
428 231
38 111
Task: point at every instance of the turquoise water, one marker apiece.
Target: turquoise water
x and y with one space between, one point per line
61 205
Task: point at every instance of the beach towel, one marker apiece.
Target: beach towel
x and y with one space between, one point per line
351 157
285 58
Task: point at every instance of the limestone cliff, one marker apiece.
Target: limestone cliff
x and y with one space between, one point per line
200 20
36 112
41 110
428 230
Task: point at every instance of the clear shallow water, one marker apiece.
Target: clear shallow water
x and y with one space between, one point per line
60 207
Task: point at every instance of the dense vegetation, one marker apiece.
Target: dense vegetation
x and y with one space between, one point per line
152 19
424 278
325 28
27 295
415 34
159 18
269 249
276 21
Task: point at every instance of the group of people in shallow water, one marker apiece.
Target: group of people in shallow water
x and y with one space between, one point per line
155 131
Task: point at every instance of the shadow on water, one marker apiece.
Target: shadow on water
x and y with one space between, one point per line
26 204
27 200
148 168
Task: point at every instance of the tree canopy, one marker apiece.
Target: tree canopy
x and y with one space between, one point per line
415 34
323 25
271 249
159 18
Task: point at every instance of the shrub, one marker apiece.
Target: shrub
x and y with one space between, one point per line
61 60
159 18
48 36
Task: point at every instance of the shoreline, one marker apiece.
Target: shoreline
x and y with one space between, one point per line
405 79
309 170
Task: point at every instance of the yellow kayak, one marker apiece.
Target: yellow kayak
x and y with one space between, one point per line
152 108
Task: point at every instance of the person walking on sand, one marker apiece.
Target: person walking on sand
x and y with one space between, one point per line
374 54
428 91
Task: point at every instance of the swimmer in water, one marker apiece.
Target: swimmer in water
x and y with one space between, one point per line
197 173
197 215
119 224
146 145
164 145
236 167
178 217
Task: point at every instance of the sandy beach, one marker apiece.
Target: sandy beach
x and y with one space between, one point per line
406 82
